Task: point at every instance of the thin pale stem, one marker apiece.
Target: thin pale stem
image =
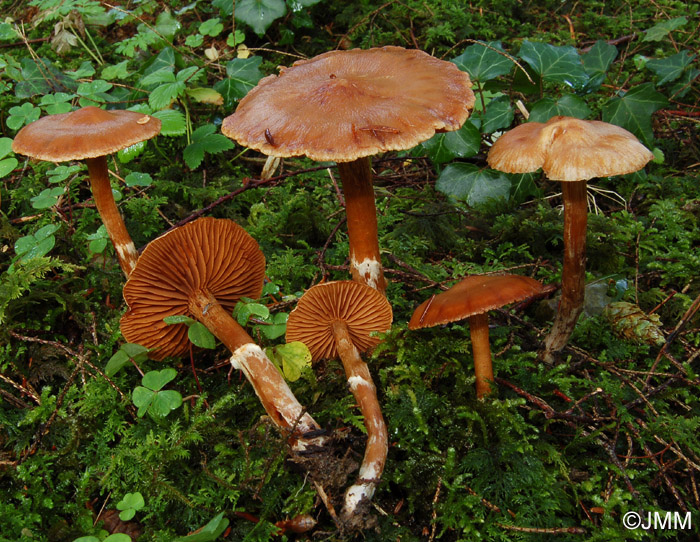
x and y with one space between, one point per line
573 275
362 388
481 349
277 399
112 219
365 260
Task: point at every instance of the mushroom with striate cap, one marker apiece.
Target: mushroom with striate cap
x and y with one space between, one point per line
346 106
472 298
91 134
201 270
572 151
336 319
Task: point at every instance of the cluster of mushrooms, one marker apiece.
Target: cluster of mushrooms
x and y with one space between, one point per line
362 102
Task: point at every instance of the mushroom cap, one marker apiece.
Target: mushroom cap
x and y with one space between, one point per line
85 133
473 295
209 255
569 149
344 105
361 307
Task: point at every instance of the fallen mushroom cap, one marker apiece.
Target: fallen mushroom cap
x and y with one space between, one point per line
212 255
473 295
363 309
85 133
344 105
569 149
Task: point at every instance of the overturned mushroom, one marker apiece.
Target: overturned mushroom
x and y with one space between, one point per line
571 151
201 270
472 298
91 134
336 319
346 106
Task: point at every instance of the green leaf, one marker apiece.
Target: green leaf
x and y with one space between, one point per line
167 25
57 103
556 64
40 76
7 32
243 74
47 197
211 27
205 95
85 70
205 140
498 115
163 95
21 115
596 62
660 30
172 122
142 399
163 75
670 68
131 500
634 109
482 63
235 39
136 178
61 173
247 310
209 533
569 105
127 515
464 142
277 328
201 336
293 358
98 240
164 402
126 353
194 40
94 92
37 244
155 380
118 537
7 166
179 319
116 71
5 146
260 14
129 153
472 184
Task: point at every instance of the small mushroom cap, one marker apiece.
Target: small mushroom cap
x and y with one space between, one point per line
473 295
569 149
209 255
85 133
343 105
362 308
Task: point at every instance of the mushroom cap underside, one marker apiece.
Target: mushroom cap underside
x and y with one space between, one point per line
473 295
363 309
569 149
214 256
344 105
89 132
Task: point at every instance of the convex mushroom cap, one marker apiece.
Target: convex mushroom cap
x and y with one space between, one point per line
569 149
214 256
344 105
85 133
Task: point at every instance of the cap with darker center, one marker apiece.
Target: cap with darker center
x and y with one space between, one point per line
472 298
345 106
90 134
571 151
336 319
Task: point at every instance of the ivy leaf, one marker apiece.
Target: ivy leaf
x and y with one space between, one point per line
472 184
557 64
41 77
290 358
483 63
260 14
173 122
634 109
47 197
596 62
243 74
200 336
670 68
205 140
660 30
498 115
460 143
569 105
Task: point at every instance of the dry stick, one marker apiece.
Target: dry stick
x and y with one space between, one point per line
21 388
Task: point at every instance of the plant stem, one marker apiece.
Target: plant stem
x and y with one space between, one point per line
481 350
365 260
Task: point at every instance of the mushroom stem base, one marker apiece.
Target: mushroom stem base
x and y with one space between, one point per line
278 400
365 393
112 219
574 269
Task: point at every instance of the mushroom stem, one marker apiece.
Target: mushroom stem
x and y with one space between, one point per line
107 208
574 270
269 385
481 350
362 388
365 260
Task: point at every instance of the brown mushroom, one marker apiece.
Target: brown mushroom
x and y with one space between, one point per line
571 151
345 106
91 134
336 319
201 270
472 298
